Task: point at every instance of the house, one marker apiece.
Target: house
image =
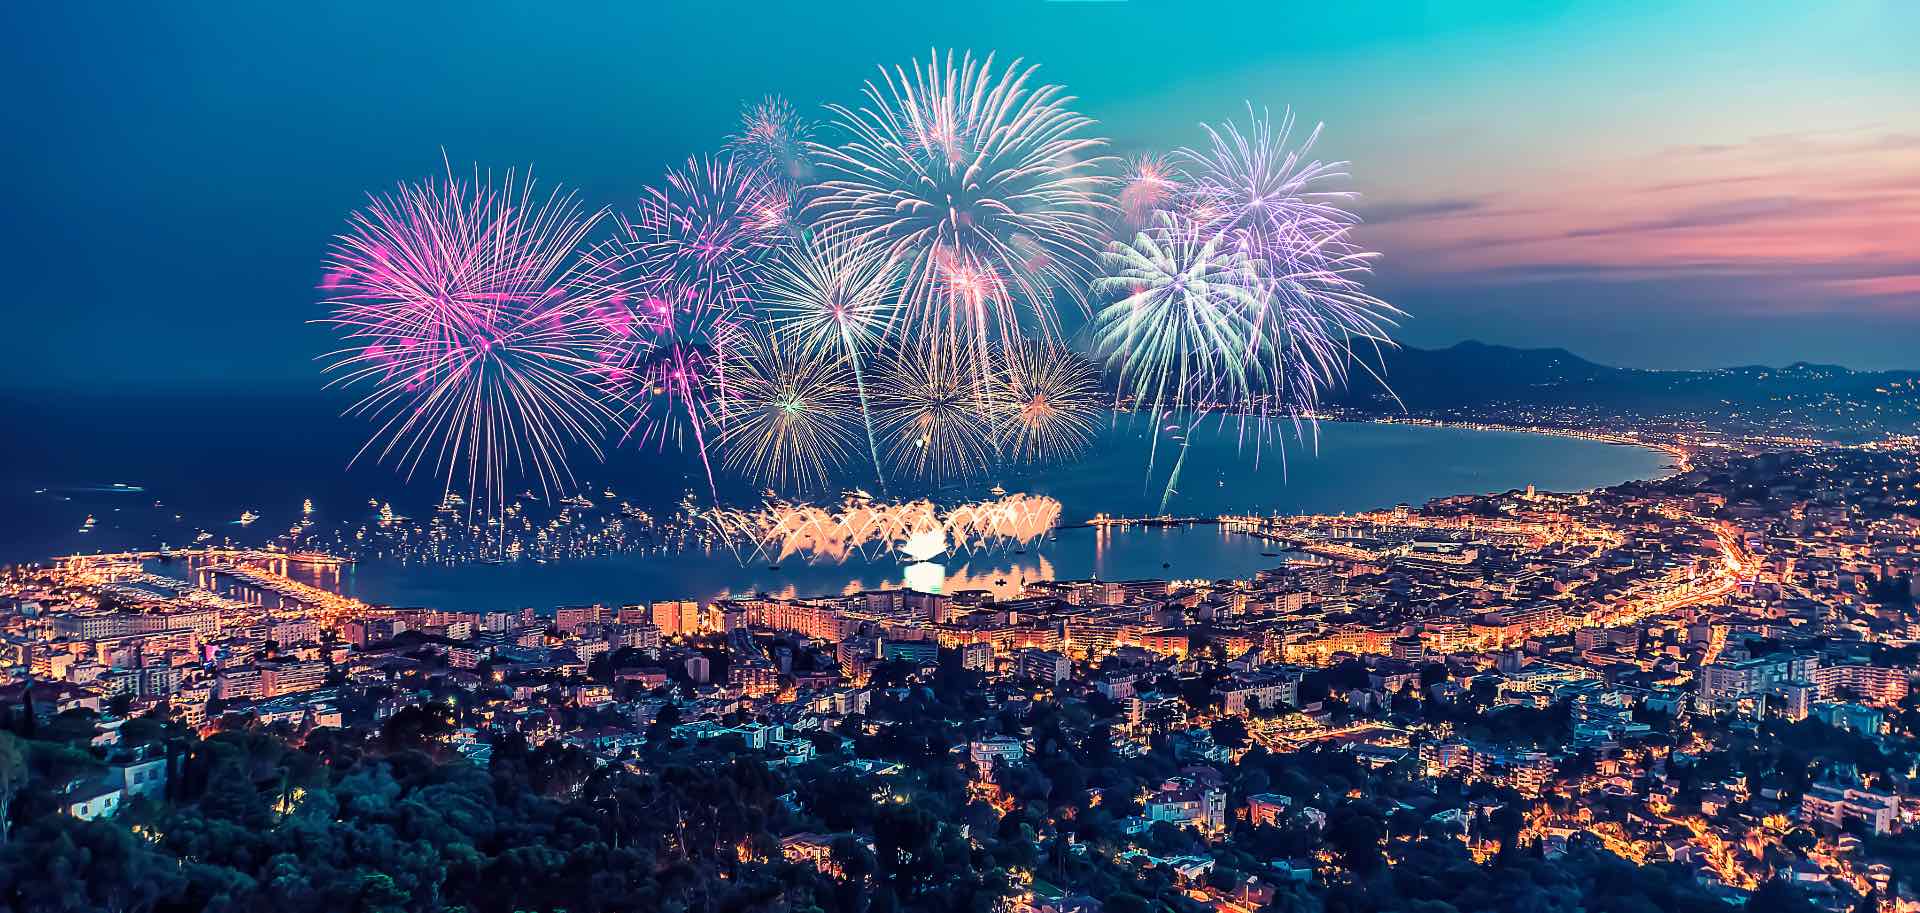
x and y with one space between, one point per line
1267 809
1182 801
103 797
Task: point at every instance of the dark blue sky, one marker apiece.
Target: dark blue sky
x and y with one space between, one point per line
1663 189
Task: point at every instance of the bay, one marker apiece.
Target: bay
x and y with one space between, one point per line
167 469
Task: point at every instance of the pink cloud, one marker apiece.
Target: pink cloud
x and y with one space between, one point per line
1831 214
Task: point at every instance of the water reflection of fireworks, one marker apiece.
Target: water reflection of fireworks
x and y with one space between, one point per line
861 527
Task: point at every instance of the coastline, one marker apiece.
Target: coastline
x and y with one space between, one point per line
1338 488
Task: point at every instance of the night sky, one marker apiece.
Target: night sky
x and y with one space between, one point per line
1730 184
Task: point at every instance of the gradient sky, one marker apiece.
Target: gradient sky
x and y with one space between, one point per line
1658 185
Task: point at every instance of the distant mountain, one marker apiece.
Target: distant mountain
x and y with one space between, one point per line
1472 376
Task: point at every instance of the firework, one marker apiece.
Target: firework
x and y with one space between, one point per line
1046 403
711 225
1148 187
917 530
773 138
787 418
1278 208
1250 185
985 188
929 409
676 281
1181 333
462 312
1179 325
664 357
840 300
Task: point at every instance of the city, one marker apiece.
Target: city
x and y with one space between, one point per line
1018 457
1708 671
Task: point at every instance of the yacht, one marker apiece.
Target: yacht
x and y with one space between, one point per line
247 516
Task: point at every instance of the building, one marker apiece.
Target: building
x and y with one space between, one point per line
572 619
240 684
977 657
291 677
1880 685
1724 681
1244 695
1182 801
1044 666
919 652
997 750
1409 649
1832 806
1267 809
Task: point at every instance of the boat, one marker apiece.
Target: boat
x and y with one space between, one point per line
996 490
247 516
773 567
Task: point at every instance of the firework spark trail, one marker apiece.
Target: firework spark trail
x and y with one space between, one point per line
1246 292
678 280
1176 331
841 299
868 529
1277 208
929 408
788 416
664 360
773 140
707 226
1149 186
460 304
1046 402
985 188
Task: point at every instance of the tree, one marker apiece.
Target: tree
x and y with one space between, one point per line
1778 896
13 774
662 728
1229 732
64 864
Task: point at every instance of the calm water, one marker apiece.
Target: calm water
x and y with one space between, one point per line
200 463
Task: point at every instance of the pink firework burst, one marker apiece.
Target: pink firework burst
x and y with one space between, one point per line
773 138
712 224
1148 186
463 315
665 345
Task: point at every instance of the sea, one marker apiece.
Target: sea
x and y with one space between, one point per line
154 470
